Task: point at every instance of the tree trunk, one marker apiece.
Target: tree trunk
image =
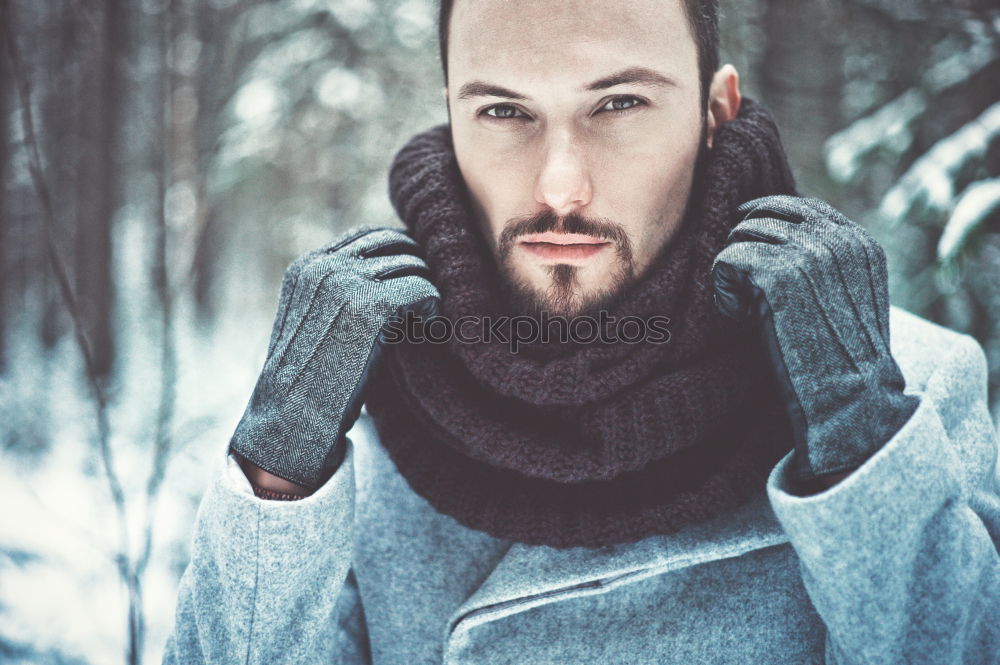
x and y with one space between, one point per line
99 192
60 133
5 244
801 79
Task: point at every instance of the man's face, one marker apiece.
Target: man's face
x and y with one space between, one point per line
576 128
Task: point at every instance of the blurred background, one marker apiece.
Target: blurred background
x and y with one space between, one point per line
162 161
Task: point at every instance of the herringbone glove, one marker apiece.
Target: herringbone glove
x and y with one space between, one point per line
334 303
815 283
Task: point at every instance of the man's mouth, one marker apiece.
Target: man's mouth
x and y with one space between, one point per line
563 246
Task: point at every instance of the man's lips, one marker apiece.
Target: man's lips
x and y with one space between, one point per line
563 246
563 238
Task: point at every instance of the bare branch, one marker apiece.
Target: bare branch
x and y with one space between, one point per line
100 401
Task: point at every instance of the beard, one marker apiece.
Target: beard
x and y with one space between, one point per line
562 295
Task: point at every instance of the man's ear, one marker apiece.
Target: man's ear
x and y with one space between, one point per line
723 99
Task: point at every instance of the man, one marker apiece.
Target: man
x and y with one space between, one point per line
768 482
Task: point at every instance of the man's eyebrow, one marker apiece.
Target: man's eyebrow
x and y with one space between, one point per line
483 89
636 75
639 75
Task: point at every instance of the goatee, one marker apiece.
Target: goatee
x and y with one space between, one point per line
562 296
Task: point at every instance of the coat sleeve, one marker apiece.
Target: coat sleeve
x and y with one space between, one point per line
901 558
268 581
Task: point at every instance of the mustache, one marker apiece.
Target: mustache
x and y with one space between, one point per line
548 220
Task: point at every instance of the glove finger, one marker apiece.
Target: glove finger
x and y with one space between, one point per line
381 242
394 247
420 270
381 268
420 300
309 258
731 291
781 206
760 229
735 292
427 307
370 243
330 280
820 208
352 236
403 244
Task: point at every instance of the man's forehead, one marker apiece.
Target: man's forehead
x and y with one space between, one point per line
566 13
491 32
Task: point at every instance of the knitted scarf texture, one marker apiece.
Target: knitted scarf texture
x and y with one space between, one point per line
566 443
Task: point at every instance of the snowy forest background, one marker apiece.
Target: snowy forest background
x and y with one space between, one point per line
162 161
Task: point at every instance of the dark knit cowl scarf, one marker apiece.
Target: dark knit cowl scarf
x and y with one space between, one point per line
574 444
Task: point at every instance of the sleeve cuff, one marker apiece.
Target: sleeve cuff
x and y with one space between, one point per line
236 479
915 472
233 487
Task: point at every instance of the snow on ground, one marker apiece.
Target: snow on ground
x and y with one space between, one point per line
61 598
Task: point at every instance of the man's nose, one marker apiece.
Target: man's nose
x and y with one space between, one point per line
563 183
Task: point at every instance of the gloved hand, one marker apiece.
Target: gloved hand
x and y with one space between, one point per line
334 303
815 285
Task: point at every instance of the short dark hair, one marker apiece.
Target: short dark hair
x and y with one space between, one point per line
703 16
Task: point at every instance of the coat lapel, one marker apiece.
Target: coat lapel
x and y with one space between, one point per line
532 575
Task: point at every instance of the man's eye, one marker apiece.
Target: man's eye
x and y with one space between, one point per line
622 104
502 112
618 105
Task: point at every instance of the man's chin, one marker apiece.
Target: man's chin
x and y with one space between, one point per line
525 300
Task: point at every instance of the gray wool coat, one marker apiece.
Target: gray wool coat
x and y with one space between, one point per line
898 563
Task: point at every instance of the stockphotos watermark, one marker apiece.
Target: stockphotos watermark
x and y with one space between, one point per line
515 331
